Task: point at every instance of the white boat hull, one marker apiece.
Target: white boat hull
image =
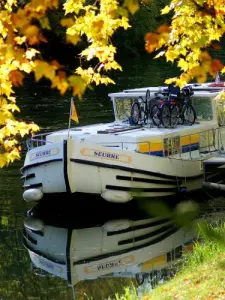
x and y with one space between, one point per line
116 175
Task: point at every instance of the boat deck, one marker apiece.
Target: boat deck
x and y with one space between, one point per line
123 129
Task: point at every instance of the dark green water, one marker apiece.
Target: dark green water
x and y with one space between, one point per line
51 111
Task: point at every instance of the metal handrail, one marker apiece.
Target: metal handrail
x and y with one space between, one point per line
175 151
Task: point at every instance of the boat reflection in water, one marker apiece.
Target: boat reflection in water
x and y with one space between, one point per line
116 240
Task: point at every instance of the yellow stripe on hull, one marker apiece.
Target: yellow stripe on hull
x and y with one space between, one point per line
158 261
151 146
158 145
188 140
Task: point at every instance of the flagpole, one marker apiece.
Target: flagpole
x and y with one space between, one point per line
70 115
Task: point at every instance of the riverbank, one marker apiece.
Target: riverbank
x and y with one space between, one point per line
202 275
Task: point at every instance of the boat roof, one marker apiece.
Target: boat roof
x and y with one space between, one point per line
142 93
201 90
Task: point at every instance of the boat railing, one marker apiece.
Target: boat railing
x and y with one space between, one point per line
185 146
37 140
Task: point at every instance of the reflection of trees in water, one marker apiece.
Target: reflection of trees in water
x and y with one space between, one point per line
17 281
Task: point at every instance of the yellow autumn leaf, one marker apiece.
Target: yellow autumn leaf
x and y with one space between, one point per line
3 160
44 22
171 55
44 69
13 107
26 67
132 5
61 84
73 39
67 22
31 52
20 39
78 85
32 33
165 10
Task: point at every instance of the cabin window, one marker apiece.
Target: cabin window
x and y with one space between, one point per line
171 145
207 139
220 112
123 108
203 108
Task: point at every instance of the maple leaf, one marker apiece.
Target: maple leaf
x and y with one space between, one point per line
44 22
151 42
16 77
73 39
44 69
163 28
60 83
20 40
132 5
165 10
216 66
78 85
67 22
30 53
32 33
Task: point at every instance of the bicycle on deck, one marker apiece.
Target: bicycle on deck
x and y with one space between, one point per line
141 108
173 107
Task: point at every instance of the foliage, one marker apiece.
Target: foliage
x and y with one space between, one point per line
196 26
130 293
147 18
206 248
22 32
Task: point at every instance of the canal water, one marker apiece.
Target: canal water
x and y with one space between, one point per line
83 247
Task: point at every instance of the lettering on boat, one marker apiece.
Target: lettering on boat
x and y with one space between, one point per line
111 264
44 153
106 155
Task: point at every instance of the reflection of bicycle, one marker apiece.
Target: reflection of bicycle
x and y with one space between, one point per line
140 109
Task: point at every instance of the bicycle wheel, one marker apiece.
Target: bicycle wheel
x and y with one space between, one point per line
189 114
142 115
175 115
135 113
165 115
155 115
181 114
147 95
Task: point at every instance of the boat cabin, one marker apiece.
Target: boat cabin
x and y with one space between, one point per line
206 135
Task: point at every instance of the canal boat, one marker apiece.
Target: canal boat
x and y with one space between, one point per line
116 248
121 160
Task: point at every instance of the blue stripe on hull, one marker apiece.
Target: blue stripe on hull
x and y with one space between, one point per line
191 147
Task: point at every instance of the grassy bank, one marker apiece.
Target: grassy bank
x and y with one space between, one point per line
202 275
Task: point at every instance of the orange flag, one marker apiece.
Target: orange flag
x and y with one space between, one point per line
73 115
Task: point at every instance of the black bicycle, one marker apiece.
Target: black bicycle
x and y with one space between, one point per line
141 108
173 107
187 113
162 112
